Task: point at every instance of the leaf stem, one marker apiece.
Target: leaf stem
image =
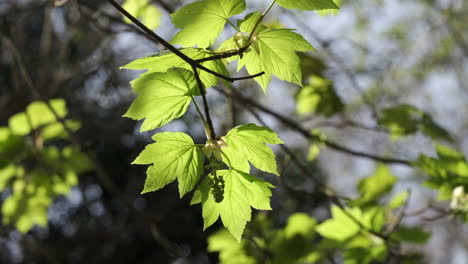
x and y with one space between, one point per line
260 19
200 113
232 25
249 41
201 88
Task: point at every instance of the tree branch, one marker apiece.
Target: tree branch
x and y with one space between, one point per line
155 37
305 133
202 90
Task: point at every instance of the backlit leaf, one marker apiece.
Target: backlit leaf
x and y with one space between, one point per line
173 156
246 143
203 21
162 97
163 61
241 192
143 10
308 4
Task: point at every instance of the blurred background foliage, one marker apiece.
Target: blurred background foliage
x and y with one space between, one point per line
388 78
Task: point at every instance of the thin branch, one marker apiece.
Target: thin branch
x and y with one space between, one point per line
155 37
305 133
342 67
260 20
249 40
329 192
394 224
202 90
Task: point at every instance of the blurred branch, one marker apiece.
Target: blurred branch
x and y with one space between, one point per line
101 173
304 132
329 192
325 46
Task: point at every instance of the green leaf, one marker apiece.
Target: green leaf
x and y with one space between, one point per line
37 114
246 143
314 151
411 234
319 97
308 4
446 172
398 200
7 174
57 130
26 210
162 97
406 119
341 227
174 156
230 250
275 56
10 145
203 21
163 61
32 196
300 224
375 186
326 12
144 11
241 192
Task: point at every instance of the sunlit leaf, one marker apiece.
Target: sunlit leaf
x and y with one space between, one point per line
203 21
318 97
165 60
308 4
143 10
241 192
173 156
406 119
162 97
340 227
247 143
375 186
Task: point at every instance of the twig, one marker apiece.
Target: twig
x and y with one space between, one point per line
249 40
155 37
202 90
394 224
305 133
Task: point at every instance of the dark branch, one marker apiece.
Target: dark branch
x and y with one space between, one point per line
155 37
304 132
202 90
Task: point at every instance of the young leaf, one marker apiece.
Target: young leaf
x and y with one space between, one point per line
203 21
373 187
143 10
230 250
318 97
241 192
411 234
325 12
406 119
162 97
247 143
446 172
341 227
308 4
37 114
162 61
272 51
398 200
174 156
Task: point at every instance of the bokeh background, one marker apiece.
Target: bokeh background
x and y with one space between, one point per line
377 53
